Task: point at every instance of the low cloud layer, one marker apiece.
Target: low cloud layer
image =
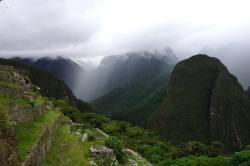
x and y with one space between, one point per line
92 29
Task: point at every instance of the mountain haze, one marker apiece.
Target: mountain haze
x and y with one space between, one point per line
135 86
118 71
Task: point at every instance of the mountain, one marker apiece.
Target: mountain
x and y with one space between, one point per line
204 102
134 86
50 85
64 68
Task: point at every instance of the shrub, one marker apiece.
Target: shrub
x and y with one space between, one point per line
201 161
195 148
91 136
115 144
112 128
68 110
94 120
241 158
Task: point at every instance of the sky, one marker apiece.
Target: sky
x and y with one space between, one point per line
91 29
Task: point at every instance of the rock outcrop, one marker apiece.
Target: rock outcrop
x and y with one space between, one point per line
100 153
204 102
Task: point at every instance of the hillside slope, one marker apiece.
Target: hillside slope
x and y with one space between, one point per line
33 130
204 102
50 85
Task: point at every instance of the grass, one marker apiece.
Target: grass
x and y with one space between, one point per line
34 103
7 84
4 117
39 101
28 133
23 102
67 150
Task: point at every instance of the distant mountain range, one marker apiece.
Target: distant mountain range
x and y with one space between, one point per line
64 68
119 71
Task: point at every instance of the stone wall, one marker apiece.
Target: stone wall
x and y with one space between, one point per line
21 114
8 147
43 145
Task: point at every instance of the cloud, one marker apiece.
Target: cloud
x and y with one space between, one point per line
91 29
43 25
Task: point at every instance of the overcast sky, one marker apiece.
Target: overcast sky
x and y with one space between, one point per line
91 29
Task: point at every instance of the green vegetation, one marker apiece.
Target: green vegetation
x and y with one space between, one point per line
23 102
200 161
38 101
67 150
115 144
28 133
160 152
148 144
4 117
242 158
67 109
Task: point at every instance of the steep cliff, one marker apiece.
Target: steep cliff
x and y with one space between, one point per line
204 102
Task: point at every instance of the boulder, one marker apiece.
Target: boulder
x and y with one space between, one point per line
99 152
